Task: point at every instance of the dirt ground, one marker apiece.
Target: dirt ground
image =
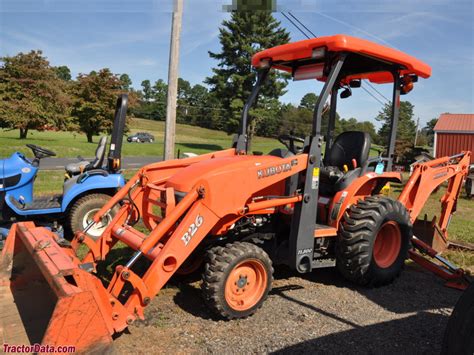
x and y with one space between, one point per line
317 313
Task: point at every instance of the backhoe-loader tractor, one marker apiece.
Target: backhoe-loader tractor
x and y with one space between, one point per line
240 214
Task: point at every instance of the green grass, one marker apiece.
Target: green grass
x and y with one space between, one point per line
461 227
188 139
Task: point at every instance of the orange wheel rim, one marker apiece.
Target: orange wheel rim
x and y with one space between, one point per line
387 244
246 285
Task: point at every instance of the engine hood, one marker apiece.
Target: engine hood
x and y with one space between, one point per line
186 178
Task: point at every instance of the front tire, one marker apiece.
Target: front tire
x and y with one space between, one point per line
83 211
237 279
373 241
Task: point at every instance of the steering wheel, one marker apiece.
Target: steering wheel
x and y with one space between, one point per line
288 140
40 152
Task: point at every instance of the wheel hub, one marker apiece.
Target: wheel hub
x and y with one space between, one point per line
97 230
246 285
241 282
387 244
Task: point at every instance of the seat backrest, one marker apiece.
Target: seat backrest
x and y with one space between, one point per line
347 146
99 153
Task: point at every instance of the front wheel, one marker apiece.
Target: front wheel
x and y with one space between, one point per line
373 241
83 211
237 279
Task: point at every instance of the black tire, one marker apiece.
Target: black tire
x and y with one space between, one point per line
191 270
221 267
358 257
84 208
459 334
468 188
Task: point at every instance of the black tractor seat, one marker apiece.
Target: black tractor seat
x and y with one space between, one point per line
85 165
348 147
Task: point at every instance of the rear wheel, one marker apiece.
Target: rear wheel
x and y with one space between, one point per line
373 242
237 279
459 335
468 187
83 211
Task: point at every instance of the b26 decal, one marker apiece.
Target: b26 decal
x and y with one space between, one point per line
193 228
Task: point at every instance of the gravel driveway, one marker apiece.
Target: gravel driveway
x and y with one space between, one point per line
317 313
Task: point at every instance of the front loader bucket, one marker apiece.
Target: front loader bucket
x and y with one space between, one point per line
45 298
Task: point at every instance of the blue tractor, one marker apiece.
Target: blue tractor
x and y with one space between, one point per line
87 187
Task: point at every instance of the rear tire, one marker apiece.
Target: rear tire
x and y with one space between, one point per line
468 188
236 279
459 335
84 209
373 241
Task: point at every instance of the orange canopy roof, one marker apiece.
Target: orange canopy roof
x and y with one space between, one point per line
342 43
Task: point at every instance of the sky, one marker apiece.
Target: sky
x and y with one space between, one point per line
133 37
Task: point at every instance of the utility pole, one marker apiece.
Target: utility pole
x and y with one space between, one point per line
417 126
170 127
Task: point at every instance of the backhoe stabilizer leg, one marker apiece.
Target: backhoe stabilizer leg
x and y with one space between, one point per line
454 276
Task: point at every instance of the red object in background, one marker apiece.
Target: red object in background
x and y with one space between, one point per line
454 133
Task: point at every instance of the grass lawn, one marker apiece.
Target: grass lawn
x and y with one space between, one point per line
188 139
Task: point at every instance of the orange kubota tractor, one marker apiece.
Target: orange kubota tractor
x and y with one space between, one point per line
240 214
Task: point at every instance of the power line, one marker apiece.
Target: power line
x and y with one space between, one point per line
367 91
375 97
294 24
378 92
302 24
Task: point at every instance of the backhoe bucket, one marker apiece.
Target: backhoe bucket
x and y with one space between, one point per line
46 299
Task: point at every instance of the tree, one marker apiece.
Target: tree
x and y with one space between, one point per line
353 125
241 37
94 102
126 82
405 131
63 72
31 94
160 95
309 101
184 89
428 130
147 92
295 119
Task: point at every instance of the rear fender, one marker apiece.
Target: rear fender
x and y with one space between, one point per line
367 185
90 184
